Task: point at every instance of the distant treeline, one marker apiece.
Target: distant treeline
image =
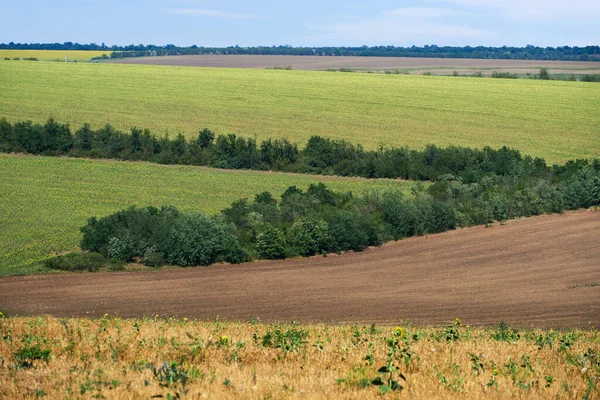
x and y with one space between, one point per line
588 53
320 155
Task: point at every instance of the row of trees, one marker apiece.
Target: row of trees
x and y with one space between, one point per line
529 52
319 156
321 221
469 187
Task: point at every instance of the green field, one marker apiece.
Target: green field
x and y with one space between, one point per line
551 119
53 55
45 200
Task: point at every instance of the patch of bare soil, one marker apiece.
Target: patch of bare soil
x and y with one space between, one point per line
367 63
535 272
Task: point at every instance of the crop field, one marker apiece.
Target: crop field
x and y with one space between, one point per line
53 55
155 357
404 64
550 119
45 200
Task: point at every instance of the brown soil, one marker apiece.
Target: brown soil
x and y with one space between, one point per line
536 272
369 63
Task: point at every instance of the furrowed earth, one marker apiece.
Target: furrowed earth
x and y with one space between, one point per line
416 64
538 272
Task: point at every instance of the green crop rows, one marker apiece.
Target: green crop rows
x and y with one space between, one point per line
551 119
53 55
45 200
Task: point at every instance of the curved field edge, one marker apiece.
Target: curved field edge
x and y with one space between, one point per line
533 272
45 200
151 357
549 119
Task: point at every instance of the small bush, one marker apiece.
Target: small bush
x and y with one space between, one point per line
288 339
589 78
505 333
153 258
28 354
270 243
503 75
77 262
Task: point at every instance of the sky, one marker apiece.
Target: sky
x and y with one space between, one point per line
304 23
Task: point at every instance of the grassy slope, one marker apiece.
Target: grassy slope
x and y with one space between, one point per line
45 200
53 55
551 119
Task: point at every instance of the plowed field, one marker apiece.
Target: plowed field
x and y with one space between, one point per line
536 272
416 64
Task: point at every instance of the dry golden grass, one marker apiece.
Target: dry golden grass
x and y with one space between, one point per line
109 358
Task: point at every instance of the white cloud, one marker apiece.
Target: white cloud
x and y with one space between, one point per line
423 12
525 9
410 25
199 12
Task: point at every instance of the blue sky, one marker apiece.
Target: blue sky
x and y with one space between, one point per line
305 23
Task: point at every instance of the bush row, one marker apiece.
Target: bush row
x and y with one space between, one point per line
320 221
320 155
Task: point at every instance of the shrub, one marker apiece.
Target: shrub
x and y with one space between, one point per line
197 239
590 78
270 243
153 258
77 262
503 75
309 236
27 354
121 248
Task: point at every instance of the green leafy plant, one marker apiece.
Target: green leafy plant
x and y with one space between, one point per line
456 381
27 354
389 374
450 333
288 339
170 374
505 333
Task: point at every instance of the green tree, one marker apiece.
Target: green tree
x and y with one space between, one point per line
270 243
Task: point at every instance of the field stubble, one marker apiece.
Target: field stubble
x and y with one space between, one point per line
142 358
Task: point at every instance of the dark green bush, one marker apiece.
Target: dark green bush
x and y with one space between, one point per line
153 258
503 75
270 243
309 236
162 234
198 239
77 262
27 354
590 78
